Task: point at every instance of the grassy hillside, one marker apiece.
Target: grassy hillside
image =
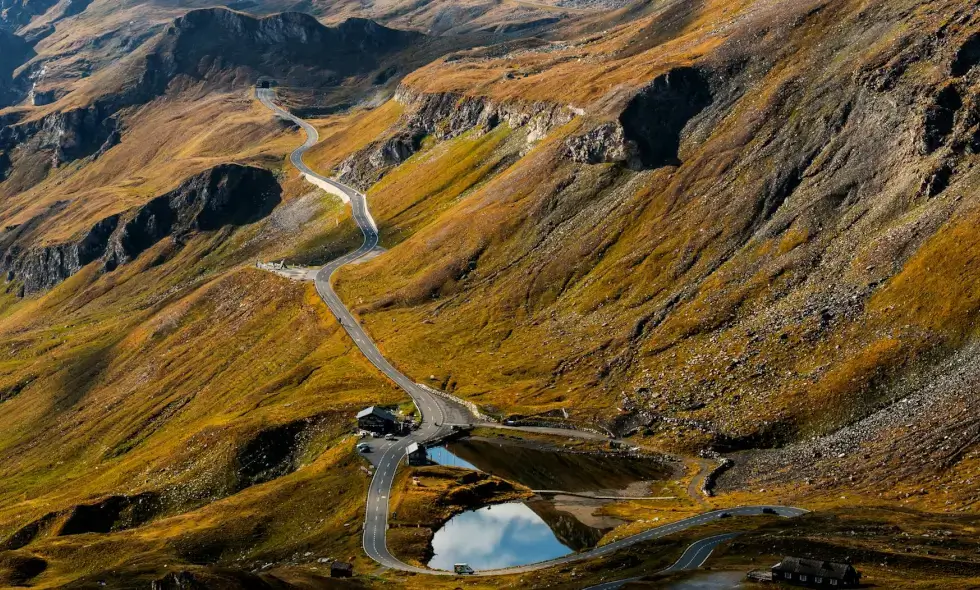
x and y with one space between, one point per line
753 232
176 381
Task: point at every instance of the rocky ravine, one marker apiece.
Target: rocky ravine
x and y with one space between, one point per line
227 195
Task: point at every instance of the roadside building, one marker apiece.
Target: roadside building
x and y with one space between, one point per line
815 573
339 569
416 455
375 419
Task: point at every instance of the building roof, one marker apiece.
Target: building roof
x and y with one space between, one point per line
379 412
815 567
413 448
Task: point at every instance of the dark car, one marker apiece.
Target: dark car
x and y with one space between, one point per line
725 515
768 511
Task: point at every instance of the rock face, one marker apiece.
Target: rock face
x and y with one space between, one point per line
17 13
14 51
40 268
84 131
226 46
228 195
604 144
112 513
445 116
655 117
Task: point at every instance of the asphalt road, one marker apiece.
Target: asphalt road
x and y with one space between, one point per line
436 411
692 558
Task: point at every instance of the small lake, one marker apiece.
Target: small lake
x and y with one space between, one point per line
574 522
443 456
547 469
494 537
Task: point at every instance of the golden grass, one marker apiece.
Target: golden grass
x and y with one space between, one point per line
169 141
346 134
151 377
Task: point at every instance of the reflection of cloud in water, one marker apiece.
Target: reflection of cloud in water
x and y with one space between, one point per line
495 537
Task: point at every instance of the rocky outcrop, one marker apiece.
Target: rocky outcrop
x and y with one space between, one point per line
228 195
604 144
940 118
40 98
113 513
4 165
14 52
85 131
18 569
276 451
967 57
225 49
656 116
445 116
42 268
219 44
17 13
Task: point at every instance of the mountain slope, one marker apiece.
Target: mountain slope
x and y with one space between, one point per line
735 246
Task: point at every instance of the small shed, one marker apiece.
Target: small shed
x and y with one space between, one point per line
416 455
815 573
375 419
340 569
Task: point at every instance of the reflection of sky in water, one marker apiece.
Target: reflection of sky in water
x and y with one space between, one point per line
494 537
710 581
442 456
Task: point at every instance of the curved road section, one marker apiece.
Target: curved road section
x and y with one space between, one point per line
692 558
437 412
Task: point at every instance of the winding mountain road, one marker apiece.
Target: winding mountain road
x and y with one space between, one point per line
437 412
692 558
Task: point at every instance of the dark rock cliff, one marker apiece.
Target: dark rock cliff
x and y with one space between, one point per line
221 48
227 195
654 118
445 116
14 52
17 13
232 48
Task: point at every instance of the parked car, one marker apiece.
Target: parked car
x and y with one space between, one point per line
363 448
389 436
